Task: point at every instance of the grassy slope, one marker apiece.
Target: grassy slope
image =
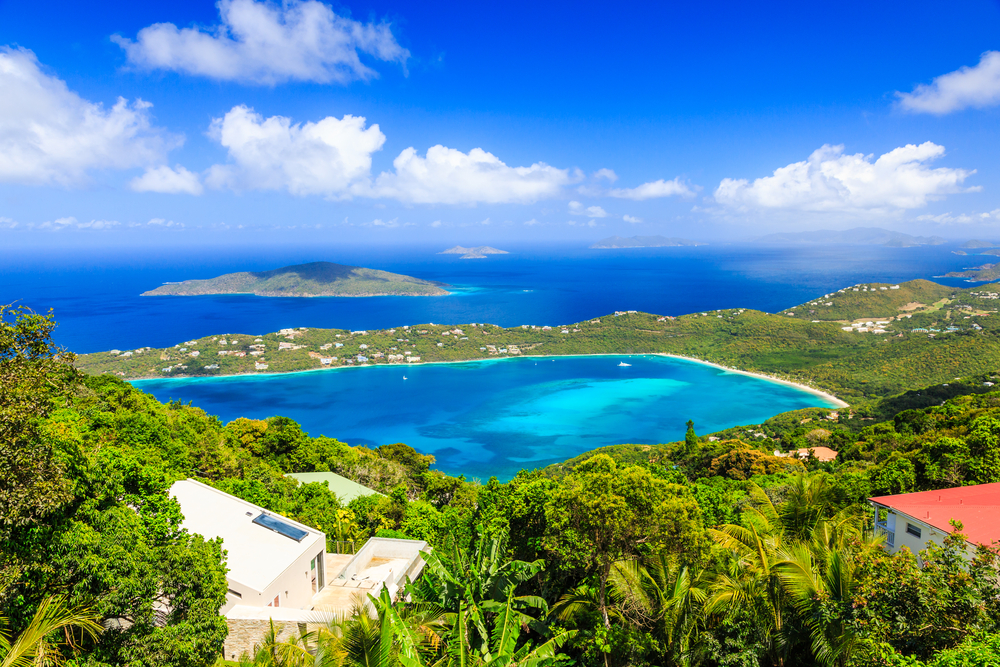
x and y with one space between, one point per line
315 279
848 304
853 366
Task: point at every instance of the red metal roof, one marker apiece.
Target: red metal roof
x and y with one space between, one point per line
977 507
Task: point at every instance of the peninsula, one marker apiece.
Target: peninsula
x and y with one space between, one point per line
977 274
313 279
855 236
479 252
859 342
643 242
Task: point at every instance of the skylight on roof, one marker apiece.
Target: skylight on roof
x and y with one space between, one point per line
280 527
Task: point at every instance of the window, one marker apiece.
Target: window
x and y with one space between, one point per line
912 530
280 527
236 593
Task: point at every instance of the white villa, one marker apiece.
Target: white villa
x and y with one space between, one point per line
279 569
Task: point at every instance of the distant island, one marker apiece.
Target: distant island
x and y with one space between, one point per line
479 252
313 279
856 236
977 274
977 243
643 242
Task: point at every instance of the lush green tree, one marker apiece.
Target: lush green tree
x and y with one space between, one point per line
34 372
602 514
34 645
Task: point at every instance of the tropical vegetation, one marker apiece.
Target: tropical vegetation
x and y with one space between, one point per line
710 551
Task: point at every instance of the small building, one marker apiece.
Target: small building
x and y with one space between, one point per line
822 454
914 520
273 561
345 489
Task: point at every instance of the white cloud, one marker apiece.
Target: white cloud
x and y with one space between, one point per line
962 218
966 87
333 157
51 135
607 174
832 181
98 224
528 223
263 43
436 224
7 223
449 176
325 158
576 208
582 223
163 222
631 218
660 188
389 224
171 181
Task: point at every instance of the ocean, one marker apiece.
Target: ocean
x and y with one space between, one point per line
479 419
495 417
95 295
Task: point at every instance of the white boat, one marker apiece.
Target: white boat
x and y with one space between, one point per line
624 364
404 377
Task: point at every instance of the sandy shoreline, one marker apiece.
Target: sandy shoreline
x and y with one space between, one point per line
770 378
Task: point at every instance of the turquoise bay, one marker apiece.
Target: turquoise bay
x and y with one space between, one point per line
493 418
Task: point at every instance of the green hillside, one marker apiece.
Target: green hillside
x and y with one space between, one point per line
873 300
956 334
314 279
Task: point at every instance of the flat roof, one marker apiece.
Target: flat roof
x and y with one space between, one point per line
345 489
977 507
257 555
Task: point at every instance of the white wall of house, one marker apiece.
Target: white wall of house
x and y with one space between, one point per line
896 524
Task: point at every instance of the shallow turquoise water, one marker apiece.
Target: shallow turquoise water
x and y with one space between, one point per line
492 418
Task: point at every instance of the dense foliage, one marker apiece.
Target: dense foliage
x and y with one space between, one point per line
711 551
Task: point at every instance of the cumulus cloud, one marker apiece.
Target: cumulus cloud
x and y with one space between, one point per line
171 181
7 223
606 174
51 135
631 218
582 223
832 181
328 157
449 176
962 218
163 222
966 87
576 208
263 43
653 190
333 158
531 223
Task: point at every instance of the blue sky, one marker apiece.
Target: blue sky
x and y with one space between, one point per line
468 122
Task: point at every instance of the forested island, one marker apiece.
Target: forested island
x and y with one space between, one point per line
862 341
303 280
719 546
478 252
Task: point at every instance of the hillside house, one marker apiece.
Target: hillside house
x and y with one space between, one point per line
279 570
913 520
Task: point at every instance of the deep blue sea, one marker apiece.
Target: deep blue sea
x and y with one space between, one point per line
95 294
479 419
495 417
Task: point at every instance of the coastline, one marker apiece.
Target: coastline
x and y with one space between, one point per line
817 392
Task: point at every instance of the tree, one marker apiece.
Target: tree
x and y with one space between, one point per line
33 646
33 372
602 514
690 439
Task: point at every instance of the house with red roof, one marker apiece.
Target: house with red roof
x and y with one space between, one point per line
915 519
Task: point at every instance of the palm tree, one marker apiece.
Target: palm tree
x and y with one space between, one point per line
34 646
